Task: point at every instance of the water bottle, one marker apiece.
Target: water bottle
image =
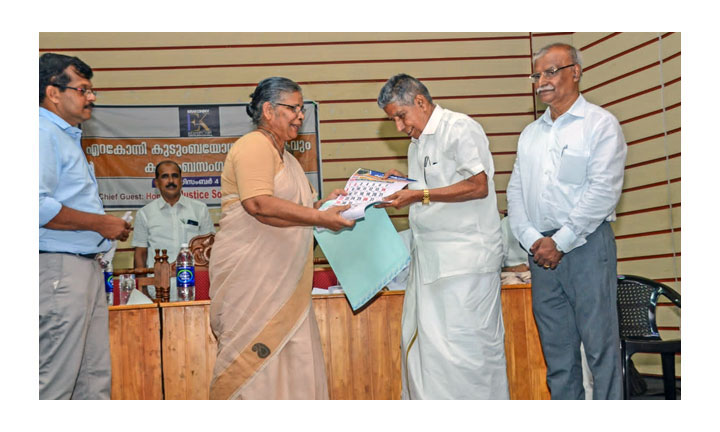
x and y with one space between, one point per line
185 274
108 276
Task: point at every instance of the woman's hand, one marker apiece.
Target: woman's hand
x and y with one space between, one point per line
331 218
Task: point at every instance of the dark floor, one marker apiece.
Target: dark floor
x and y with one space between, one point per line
655 389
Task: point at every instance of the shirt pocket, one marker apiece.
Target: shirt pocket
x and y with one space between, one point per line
573 168
191 230
433 175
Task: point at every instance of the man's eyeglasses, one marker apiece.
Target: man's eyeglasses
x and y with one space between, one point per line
549 73
295 108
85 92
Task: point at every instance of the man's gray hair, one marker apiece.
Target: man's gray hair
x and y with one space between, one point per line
402 89
574 53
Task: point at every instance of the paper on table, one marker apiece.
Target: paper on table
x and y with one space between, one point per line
136 297
365 258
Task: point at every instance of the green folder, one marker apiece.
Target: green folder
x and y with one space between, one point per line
366 257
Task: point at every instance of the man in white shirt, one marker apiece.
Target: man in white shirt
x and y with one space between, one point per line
562 194
452 327
169 221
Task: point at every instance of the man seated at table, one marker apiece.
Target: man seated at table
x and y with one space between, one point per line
169 221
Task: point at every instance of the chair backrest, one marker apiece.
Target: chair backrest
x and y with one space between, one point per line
201 249
637 299
324 278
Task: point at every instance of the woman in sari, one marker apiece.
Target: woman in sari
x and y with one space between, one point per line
261 266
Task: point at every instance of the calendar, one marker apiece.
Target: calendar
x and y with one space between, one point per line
366 187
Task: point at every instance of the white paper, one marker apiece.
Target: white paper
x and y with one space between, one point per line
136 297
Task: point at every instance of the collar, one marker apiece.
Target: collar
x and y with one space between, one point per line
433 121
181 202
59 122
576 110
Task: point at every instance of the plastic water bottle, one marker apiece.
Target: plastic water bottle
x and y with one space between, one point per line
185 274
108 276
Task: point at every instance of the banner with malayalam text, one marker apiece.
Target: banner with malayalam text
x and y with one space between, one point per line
125 143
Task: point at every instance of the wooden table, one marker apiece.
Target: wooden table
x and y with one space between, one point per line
362 350
135 352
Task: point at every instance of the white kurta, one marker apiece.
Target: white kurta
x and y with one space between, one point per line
453 336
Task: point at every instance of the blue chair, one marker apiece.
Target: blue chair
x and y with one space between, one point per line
637 299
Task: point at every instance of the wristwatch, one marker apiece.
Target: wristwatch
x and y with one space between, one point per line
426 197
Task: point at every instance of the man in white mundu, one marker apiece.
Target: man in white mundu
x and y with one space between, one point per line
452 327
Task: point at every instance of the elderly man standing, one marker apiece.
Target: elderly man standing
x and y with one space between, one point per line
168 221
562 194
452 327
74 344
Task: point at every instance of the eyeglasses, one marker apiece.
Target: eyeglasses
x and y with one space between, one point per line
85 92
549 73
295 108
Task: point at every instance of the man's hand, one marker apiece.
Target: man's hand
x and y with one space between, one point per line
394 172
545 254
331 218
401 198
334 194
114 228
108 226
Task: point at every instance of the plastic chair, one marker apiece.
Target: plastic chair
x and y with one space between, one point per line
637 299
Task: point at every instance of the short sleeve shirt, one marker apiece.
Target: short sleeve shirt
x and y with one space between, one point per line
250 168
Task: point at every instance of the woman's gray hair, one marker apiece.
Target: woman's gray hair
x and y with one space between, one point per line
402 89
574 53
269 90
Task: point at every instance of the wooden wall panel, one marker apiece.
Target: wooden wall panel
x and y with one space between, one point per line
376 125
361 149
655 148
654 268
646 103
653 221
174 39
648 198
652 173
639 246
253 73
639 81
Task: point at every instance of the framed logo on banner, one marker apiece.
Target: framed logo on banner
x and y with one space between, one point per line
125 143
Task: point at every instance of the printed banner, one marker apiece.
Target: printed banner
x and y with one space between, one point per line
125 143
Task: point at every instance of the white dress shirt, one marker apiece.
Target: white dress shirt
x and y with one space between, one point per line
460 237
159 225
568 175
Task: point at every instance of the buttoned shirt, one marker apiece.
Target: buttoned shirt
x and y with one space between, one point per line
568 175
66 179
159 225
460 237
